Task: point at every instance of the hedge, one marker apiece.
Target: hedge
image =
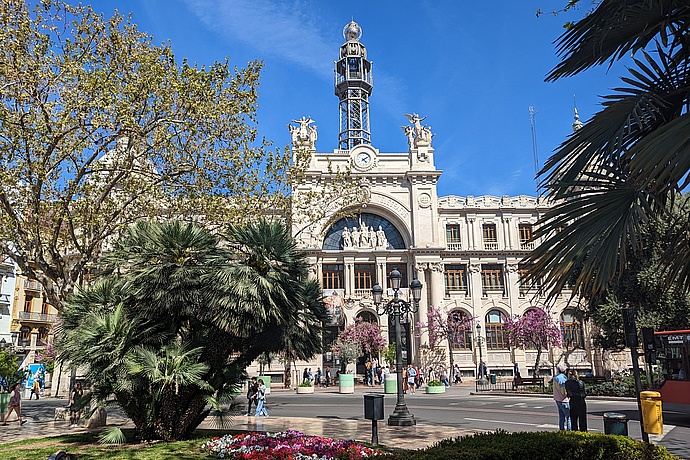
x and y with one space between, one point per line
570 445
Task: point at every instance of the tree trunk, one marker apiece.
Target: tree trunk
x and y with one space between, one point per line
535 373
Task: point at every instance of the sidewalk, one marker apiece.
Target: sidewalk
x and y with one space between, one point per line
414 437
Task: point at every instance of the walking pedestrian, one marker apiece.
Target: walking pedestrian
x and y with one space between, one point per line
328 376
35 390
404 379
305 375
561 398
15 404
319 375
411 376
578 406
261 398
252 391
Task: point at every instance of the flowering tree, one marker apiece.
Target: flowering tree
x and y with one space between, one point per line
451 327
357 338
535 329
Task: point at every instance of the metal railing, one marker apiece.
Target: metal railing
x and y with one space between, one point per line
33 316
32 285
490 246
486 385
527 245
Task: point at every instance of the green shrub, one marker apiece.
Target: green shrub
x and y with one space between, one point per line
434 383
538 446
305 384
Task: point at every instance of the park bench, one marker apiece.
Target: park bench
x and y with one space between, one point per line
592 380
527 381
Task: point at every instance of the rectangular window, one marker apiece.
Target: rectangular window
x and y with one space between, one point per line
527 284
489 233
45 308
453 237
402 268
495 337
492 277
333 276
456 278
525 231
28 304
364 276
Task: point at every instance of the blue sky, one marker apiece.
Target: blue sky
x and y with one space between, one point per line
472 68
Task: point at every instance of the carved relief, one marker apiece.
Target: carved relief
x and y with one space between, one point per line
424 200
475 268
304 135
436 267
364 238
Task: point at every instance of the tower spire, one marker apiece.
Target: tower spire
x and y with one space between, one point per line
353 85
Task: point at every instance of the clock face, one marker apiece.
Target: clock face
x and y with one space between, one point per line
363 159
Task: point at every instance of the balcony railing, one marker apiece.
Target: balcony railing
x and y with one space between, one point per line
490 245
363 293
526 245
493 289
454 246
38 317
451 291
32 286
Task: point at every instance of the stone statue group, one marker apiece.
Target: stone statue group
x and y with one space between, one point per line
417 133
364 238
303 135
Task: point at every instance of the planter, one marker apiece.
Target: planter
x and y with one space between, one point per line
390 384
435 390
346 383
305 390
4 403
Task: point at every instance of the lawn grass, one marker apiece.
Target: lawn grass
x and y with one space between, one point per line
86 447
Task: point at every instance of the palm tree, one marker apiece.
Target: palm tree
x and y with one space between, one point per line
181 313
628 164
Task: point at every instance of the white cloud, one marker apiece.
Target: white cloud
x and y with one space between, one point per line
285 29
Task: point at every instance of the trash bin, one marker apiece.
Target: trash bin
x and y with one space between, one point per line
4 403
493 378
652 416
615 423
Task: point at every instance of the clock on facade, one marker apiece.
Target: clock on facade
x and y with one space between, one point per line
363 159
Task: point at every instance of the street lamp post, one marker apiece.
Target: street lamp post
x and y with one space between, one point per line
400 416
479 345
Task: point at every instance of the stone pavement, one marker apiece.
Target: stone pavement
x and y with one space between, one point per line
416 437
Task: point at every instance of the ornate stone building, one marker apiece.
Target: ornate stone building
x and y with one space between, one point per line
465 250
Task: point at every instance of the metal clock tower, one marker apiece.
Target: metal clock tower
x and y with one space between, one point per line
353 85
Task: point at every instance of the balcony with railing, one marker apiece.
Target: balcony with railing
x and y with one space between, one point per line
454 246
36 317
33 285
526 245
491 245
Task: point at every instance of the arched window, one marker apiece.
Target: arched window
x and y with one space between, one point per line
334 237
43 334
460 330
572 330
368 317
495 336
24 335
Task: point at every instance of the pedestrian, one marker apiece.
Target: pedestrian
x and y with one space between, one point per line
444 378
385 372
310 376
516 370
456 374
305 375
328 376
319 374
261 399
375 370
575 388
404 379
561 398
252 391
411 376
75 405
35 390
15 404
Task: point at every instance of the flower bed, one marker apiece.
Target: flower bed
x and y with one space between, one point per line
286 445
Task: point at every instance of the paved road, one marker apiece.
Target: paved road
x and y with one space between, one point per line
457 410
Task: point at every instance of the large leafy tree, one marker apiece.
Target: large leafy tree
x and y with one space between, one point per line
100 127
626 165
536 329
168 333
360 337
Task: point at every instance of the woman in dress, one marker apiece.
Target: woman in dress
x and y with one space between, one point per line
15 404
75 404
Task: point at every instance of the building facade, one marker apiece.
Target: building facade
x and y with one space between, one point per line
465 250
